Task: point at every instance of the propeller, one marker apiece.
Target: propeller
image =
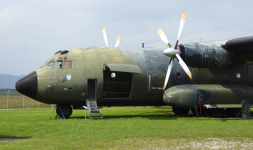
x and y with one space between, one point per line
174 52
118 40
105 36
163 37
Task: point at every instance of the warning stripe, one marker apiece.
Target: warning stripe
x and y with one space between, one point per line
190 74
185 14
159 32
120 37
103 30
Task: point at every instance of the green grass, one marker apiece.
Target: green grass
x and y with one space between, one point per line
121 128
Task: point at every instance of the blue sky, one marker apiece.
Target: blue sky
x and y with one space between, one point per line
31 31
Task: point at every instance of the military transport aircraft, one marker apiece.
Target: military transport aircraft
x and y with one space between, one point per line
219 77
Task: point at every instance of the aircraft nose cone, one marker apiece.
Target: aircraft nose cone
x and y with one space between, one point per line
28 85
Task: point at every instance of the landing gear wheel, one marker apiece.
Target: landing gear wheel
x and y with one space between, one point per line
229 112
237 112
180 111
174 109
234 112
65 109
218 112
204 111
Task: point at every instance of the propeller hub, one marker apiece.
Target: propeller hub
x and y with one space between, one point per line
171 52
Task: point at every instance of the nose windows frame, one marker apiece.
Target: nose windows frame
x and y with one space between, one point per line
59 64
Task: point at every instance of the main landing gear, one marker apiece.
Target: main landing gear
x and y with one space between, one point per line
234 112
65 110
214 112
203 112
180 111
219 112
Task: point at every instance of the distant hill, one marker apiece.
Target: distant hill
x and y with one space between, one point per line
9 81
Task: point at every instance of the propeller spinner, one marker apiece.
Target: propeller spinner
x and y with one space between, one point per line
174 52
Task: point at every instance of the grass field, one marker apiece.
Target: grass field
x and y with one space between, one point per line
122 128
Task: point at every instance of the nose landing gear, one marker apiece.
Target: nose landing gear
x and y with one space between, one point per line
65 110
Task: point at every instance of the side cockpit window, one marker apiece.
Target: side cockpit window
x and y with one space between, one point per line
68 64
58 64
51 63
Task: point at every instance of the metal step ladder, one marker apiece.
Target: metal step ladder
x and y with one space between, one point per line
91 102
93 109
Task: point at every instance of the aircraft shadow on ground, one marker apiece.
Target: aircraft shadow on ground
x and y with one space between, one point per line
5 138
151 117
162 117
159 116
11 136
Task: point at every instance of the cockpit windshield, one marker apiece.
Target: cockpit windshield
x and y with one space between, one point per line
45 63
51 63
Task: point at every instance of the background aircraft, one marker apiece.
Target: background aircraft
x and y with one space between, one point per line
214 75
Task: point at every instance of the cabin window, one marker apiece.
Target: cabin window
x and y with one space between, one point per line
58 64
51 63
68 64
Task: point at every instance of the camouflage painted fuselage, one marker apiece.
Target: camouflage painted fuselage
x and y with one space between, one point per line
218 68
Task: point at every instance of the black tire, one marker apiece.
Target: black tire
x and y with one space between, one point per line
182 111
234 112
218 112
204 111
229 112
237 112
174 109
65 109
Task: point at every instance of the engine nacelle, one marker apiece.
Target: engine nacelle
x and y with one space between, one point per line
210 94
207 55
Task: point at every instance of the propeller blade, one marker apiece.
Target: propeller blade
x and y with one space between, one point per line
105 36
163 36
118 40
184 66
181 27
168 73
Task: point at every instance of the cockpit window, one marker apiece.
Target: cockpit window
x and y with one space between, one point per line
51 63
58 64
45 63
68 64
